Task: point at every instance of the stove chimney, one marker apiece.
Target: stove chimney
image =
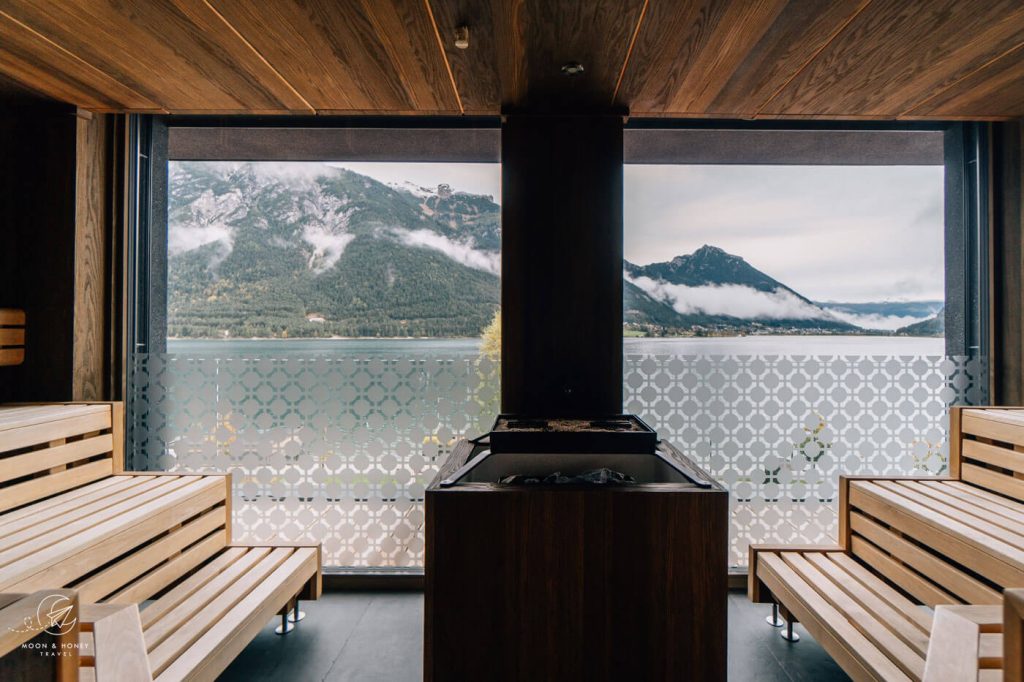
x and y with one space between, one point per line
561 265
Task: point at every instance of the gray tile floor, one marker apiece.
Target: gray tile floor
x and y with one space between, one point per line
378 637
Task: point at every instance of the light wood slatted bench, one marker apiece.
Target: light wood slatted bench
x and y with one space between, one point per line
48 635
27 648
907 545
978 643
70 517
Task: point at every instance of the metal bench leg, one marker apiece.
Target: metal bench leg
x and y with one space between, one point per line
289 617
775 620
787 633
285 627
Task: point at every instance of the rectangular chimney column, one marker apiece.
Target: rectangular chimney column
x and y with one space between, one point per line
561 265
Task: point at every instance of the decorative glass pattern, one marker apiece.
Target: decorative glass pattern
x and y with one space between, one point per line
340 449
778 431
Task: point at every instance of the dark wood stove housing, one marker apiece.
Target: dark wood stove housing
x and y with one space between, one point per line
548 582
544 583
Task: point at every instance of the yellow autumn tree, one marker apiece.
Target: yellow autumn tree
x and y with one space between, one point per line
490 338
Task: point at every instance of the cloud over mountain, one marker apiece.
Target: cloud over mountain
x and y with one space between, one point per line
463 252
732 300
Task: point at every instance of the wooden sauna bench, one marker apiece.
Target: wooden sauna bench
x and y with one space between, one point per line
978 643
71 517
29 642
907 545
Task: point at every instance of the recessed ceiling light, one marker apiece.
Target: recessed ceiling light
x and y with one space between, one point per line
572 69
462 37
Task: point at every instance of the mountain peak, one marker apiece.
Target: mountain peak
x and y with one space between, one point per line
710 266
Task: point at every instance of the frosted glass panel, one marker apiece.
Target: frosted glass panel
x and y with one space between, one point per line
340 449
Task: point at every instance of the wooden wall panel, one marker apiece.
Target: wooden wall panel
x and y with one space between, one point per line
893 55
54 174
90 273
517 49
350 56
180 55
1007 325
37 191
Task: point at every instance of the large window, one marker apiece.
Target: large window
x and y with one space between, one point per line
321 319
324 330
786 323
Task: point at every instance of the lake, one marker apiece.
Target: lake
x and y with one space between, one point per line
735 345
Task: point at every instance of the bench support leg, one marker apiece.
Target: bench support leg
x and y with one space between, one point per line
787 633
775 620
289 617
285 627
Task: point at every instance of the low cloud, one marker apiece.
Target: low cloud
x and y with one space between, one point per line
327 246
460 252
207 221
876 321
182 238
291 173
734 300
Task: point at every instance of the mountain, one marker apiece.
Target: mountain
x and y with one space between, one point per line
718 292
886 315
933 326
306 250
291 250
709 266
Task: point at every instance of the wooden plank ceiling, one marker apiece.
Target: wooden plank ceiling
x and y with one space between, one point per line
877 59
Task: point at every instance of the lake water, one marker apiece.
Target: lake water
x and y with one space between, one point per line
738 345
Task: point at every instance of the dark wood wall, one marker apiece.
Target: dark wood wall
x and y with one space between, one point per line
1007 317
89 357
54 247
561 260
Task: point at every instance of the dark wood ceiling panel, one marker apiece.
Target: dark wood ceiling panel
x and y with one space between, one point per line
518 47
179 54
894 55
827 59
352 55
996 90
725 56
493 69
29 58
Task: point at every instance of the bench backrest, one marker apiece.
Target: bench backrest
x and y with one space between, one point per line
120 540
900 528
12 336
987 448
48 449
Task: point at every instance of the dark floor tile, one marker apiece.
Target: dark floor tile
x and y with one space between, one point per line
371 637
387 645
803 661
307 653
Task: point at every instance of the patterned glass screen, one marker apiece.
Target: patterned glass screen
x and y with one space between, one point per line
340 450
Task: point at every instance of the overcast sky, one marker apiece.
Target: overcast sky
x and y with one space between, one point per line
842 233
